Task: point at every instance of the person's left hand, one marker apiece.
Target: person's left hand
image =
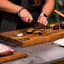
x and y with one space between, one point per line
43 20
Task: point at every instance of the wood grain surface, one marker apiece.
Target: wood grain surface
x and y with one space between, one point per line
14 56
47 36
60 62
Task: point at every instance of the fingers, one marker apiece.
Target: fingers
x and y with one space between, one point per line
31 19
43 20
27 19
26 16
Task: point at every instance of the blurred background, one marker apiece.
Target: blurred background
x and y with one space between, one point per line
55 18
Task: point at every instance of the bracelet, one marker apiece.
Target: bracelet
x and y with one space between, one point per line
18 13
43 14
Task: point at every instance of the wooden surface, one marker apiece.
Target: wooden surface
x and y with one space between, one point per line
16 55
59 13
47 36
60 63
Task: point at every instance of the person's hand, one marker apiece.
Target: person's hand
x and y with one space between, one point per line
26 16
43 20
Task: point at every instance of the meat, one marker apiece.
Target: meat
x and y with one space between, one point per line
38 32
51 25
56 27
5 50
30 30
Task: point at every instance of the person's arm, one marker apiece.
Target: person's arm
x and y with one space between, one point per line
8 6
46 11
48 7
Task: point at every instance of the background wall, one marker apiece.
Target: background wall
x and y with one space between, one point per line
55 18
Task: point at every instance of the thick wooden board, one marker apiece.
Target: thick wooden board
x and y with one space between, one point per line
14 56
60 63
47 36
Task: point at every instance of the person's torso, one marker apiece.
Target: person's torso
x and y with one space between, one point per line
10 21
29 4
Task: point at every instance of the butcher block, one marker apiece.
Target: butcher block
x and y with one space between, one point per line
31 39
14 56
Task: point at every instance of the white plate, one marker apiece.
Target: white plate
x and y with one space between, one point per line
59 42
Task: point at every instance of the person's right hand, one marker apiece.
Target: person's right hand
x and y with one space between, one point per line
26 16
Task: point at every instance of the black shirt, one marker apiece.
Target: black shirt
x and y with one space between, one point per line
12 21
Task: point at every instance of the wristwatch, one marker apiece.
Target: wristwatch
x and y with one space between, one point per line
43 14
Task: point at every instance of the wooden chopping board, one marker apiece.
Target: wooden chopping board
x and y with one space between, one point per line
32 39
14 56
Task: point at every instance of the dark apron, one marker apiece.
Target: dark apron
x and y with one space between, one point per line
13 22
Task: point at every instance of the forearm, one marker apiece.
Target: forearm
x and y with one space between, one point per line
48 7
8 6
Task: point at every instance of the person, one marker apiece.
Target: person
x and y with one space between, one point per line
20 13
